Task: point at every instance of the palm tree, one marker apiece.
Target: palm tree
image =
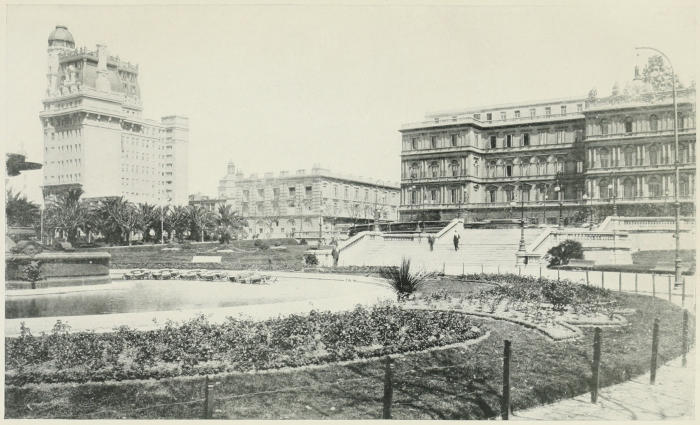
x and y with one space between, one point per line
68 214
200 219
19 211
149 219
177 221
228 222
402 280
121 217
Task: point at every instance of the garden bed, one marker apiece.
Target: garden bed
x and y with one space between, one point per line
452 383
197 347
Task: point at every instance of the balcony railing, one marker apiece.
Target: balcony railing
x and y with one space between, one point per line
431 205
657 133
464 119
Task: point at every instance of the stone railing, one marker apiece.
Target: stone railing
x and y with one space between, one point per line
645 223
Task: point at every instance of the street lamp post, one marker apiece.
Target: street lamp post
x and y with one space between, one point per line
590 210
521 244
677 262
611 192
557 190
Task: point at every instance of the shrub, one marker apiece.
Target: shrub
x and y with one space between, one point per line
310 259
199 347
303 242
32 273
402 280
261 244
565 251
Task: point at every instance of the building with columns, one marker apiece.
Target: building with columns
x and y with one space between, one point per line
307 203
570 157
95 136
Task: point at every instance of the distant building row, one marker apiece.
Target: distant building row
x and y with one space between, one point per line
567 153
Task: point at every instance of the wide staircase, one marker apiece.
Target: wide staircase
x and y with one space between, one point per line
477 246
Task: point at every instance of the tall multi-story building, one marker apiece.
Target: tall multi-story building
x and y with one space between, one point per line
552 158
307 203
95 136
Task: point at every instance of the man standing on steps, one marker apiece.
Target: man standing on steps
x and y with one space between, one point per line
455 239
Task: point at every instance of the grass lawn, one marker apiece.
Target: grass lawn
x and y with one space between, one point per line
245 256
452 383
659 261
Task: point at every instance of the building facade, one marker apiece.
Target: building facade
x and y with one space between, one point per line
95 136
568 158
307 203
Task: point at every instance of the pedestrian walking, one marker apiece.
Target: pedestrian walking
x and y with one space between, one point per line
455 239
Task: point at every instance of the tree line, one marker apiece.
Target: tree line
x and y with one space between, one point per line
118 221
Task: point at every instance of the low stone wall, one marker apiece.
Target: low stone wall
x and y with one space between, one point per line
58 269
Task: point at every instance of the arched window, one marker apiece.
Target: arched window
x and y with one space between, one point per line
434 170
510 193
684 154
628 125
654 187
684 186
604 127
492 169
605 191
630 155
653 123
628 188
433 142
604 157
525 193
653 154
413 173
681 123
414 143
454 168
491 191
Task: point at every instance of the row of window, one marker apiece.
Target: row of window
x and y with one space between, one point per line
532 112
543 137
72 162
628 124
66 134
64 178
653 155
630 189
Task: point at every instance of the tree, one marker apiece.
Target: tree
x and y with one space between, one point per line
19 211
565 251
177 221
229 223
658 75
150 216
68 214
200 219
123 215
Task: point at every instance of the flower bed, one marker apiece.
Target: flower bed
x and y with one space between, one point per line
198 347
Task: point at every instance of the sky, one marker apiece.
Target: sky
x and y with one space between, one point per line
284 87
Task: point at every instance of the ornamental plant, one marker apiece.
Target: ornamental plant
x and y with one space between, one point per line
32 272
402 280
565 251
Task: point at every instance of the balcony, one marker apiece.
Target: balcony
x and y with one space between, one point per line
638 168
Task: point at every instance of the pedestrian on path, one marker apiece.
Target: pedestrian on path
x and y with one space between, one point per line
455 240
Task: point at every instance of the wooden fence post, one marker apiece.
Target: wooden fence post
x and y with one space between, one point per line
388 389
636 275
587 281
443 267
208 398
557 275
654 351
540 271
669 288
505 400
602 280
619 282
499 269
482 268
684 337
462 269
595 379
653 285
683 292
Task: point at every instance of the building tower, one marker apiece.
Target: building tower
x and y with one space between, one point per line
94 135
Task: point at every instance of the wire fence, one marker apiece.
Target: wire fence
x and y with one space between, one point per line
215 403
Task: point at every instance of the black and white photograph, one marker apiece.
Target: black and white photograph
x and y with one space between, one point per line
334 210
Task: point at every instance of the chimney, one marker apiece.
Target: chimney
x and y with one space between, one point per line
102 83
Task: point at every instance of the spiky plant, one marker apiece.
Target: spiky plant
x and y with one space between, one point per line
402 280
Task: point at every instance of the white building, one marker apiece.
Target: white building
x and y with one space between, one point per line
94 135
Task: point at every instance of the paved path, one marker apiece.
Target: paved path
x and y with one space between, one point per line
672 397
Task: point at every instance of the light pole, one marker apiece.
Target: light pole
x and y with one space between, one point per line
611 192
677 267
557 190
41 225
521 244
590 210
320 225
414 196
544 210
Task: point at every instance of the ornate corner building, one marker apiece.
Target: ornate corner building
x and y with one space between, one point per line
94 135
308 203
565 157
